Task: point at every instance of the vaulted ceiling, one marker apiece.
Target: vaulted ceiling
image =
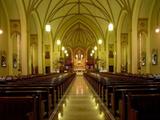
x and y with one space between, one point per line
78 23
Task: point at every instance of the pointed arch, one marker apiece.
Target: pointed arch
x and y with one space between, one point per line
24 36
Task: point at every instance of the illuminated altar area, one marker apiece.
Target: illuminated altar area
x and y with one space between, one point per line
79 60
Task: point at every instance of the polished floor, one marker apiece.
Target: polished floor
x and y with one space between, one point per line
80 103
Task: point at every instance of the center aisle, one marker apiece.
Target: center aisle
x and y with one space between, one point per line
80 103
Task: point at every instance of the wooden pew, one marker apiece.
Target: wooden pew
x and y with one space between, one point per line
48 90
143 106
118 101
45 89
42 104
18 108
114 93
112 88
108 85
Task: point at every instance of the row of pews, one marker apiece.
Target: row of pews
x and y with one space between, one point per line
32 97
128 96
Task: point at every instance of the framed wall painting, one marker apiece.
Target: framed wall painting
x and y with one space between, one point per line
47 55
154 57
143 58
111 54
14 60
3 59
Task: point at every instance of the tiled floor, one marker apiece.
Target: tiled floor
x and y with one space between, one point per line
80 103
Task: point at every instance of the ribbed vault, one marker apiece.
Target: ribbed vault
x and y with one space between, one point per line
79 36
78 23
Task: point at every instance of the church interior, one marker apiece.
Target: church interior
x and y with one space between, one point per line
79 59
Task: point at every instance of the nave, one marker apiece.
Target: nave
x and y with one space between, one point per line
114 43
80 103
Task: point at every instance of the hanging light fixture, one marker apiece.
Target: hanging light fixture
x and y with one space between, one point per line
110 27
66 51
157 30
95 48
63 48
1 30
48 28
99 41
58 42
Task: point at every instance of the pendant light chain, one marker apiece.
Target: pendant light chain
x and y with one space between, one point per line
1 31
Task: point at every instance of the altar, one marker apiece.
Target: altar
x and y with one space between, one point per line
79 60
